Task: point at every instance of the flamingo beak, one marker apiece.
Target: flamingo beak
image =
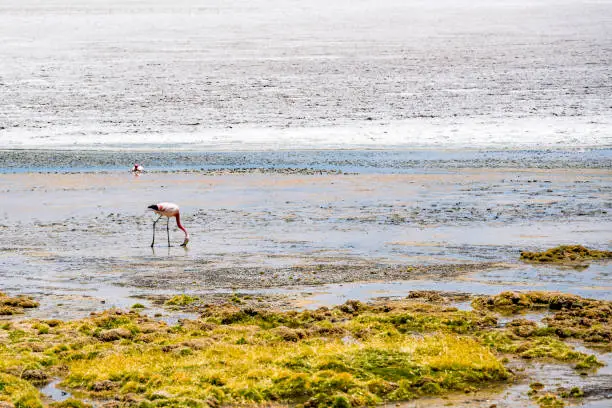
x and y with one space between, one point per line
184 244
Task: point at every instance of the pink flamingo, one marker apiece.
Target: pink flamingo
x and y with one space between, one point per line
168 210
137 168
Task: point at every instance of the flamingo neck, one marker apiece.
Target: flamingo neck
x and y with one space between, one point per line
178 223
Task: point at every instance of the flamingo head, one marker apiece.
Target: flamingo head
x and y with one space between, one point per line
184 244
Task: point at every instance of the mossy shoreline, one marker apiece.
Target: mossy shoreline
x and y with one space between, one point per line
354 354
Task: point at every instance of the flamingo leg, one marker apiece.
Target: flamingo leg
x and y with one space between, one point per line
168 230
154 222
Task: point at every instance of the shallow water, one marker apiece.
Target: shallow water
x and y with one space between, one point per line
53 393
480 284
80 239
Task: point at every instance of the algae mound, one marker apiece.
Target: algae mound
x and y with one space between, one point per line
565 254
15 305
181 300
573 316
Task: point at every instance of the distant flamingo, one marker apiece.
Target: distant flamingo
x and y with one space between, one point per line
168 210
137 168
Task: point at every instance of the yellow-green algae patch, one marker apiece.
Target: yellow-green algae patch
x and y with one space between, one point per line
354 354
566 254
550 401
18 392
351 355
72 403
181 300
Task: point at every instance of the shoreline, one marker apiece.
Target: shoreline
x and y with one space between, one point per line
353 161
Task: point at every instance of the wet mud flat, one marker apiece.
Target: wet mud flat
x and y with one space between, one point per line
84 238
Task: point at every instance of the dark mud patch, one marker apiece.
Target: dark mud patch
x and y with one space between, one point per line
204 277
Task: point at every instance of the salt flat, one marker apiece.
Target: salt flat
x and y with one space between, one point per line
288 74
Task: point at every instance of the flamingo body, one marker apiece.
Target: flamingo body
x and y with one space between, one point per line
168 210
137 168
165 209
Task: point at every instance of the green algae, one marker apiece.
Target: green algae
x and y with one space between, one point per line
574 392
355 354
70 403
545 347
352 355
588 363
547 399
565 254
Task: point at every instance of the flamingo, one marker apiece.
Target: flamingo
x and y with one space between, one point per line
137 168
168 210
